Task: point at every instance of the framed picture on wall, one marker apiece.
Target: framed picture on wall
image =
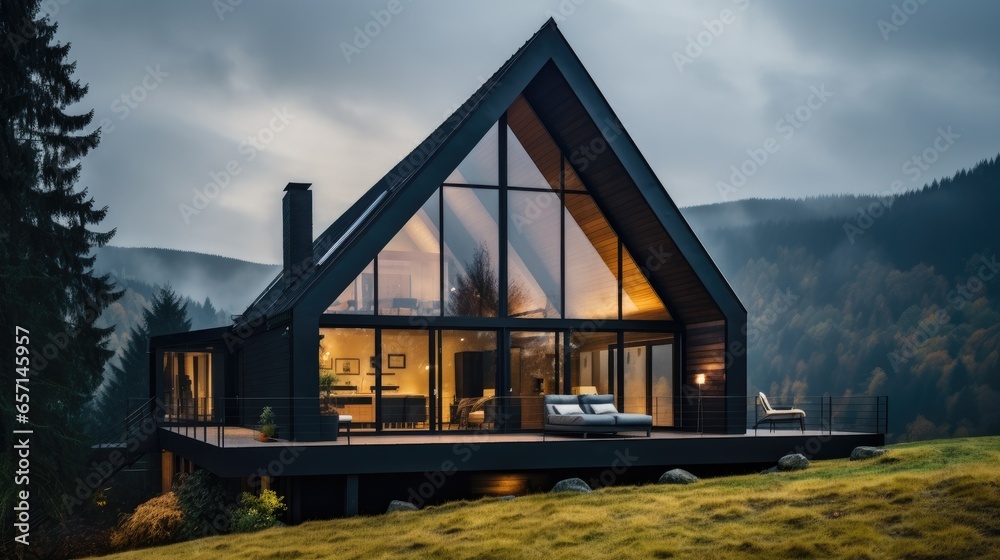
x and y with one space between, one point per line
325 362
397 361
347 366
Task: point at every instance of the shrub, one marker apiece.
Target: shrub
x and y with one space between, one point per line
267 425
205 504
153 523
257 512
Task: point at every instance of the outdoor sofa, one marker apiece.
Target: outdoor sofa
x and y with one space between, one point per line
590 414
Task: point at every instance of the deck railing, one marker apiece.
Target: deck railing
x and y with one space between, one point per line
318 419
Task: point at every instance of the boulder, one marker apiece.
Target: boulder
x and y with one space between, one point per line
507 497
866 452
571 485
677 476
400 505
770 470
793 462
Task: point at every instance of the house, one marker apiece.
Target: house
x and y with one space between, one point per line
524 248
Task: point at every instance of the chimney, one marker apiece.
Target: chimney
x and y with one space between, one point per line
296 212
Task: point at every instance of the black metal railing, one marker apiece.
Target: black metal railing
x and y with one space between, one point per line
236 421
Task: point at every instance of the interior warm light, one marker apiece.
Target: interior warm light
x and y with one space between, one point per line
700 379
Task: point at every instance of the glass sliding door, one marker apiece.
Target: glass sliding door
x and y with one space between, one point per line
649 380
467 384
590 370
188 384
405 374
663 384
536 358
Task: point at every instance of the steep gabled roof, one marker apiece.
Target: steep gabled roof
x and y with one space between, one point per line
549 74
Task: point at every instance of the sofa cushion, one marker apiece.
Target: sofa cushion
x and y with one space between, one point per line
627 419
581 420
603 408
567 409
587 400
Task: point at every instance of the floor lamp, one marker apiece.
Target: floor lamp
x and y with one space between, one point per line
699 380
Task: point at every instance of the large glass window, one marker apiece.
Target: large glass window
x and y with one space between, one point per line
481 166
639 300
359 297
533 256
409 267
532 156
471 238
591 261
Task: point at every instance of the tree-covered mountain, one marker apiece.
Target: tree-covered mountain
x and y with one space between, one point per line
892 298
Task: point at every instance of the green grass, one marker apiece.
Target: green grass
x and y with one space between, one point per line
928 500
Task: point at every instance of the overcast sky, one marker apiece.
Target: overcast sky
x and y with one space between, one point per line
843 93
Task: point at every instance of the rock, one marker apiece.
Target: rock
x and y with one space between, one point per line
771 470
507 497
571 485
399 505
677 476
793 462
866 452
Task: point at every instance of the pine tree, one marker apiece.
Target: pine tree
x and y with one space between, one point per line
130 378
47 283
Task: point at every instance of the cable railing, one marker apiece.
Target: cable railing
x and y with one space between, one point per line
228 422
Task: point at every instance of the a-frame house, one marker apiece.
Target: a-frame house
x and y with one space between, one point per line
524 248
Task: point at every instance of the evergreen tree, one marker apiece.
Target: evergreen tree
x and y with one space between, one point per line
130 378
47 283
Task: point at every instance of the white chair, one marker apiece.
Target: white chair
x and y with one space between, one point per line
772 415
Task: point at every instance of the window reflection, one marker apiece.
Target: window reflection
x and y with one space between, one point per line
533 256
409 267
471 230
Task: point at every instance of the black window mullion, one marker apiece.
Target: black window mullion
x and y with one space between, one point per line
562 236
441 279
621 282
377 399
502 288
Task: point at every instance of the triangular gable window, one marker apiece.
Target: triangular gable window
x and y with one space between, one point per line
562 253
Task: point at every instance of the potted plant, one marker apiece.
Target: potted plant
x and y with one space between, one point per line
267 429
326 384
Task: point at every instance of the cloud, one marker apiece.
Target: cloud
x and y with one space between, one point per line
356 118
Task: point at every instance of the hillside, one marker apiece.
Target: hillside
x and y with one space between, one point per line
921 500
894 299
230 283
759 211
